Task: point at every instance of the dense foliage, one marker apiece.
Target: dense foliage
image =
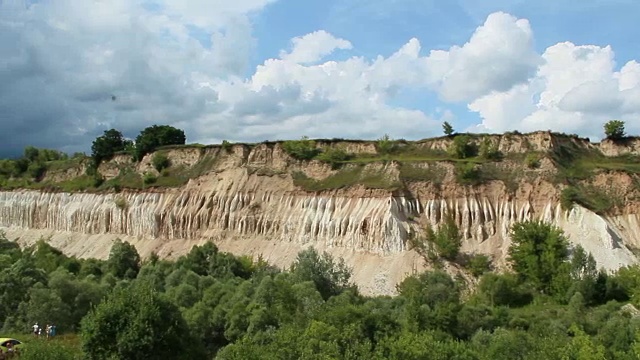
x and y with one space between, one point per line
155 136
107 145
614 129
555 305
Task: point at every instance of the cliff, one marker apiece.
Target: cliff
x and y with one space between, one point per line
258 200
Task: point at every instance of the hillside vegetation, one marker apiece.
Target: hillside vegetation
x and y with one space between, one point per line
555 304
583 172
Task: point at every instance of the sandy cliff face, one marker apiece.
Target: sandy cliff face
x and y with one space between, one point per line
247 203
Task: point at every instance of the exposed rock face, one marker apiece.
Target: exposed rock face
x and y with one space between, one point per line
247 212
170 223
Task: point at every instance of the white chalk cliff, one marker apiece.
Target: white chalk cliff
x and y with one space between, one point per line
246 213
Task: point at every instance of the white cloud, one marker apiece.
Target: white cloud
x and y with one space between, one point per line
63 61
575 90
313 47
499 55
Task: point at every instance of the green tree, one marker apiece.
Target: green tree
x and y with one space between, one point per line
137 323
448 239
31 153
462 147
447 128
155 136
432 300
329 276
537 253
614 129
105 146
124 260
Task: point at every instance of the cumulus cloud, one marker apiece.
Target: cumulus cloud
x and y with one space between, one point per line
499 55
313 47
183 63
575 90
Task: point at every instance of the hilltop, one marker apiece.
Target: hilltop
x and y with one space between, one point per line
600 176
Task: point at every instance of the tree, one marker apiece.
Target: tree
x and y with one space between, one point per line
330 277
462 147
537 253
31 153
105 146
614 129
124 260
447 128
137 323
155 136
448 239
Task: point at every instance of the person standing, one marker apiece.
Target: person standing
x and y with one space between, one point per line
35 327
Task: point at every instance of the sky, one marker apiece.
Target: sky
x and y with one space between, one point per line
254 70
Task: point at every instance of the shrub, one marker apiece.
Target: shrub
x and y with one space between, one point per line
468 174
448 239
226 146
385 145
149 178
334 157
489 150
36 170
444 242
478 264
303 149
121 202
568 197
532 160
462 148
160 161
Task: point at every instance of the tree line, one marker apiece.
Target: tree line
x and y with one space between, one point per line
112 142
554 303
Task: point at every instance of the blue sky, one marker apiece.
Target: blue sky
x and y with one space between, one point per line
250 70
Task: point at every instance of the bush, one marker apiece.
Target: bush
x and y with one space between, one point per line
489 150
462 147
478 264
568 197
468 174
160 161
149 178
334 157
121 202
226 146
36 170
303 149
532 160
386 146
448 239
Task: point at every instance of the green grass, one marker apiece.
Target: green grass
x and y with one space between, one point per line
62 165
597 199
61 347
411 172
345 178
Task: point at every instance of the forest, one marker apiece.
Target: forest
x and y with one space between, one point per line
552 303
